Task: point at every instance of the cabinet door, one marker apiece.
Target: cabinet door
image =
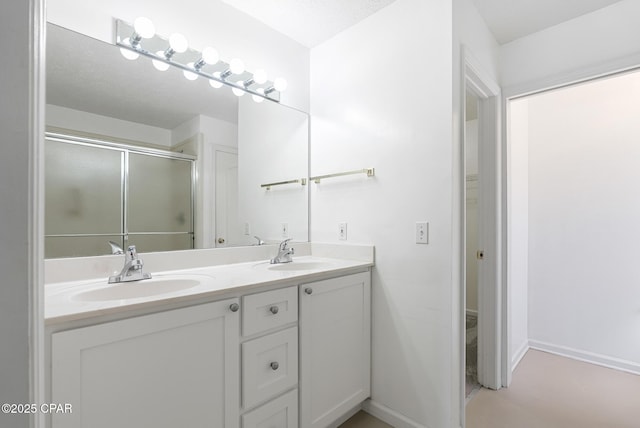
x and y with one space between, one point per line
178 368
335 347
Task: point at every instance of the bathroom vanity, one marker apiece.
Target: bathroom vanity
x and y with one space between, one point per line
234 345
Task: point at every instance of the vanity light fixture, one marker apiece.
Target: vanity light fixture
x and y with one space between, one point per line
279 85
256 98
160 65
239 89
209 56
259 77
189 75
143 28
217 82
236 66
177 44
140 39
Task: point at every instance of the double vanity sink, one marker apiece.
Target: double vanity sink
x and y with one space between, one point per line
220 342
87 298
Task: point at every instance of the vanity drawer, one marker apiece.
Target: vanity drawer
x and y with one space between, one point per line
268 310
279 413
269 366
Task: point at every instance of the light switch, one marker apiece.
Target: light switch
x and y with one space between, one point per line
422 232
342 231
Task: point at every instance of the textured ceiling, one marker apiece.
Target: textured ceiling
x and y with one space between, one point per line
512 19
309 22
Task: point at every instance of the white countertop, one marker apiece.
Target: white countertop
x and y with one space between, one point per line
63 302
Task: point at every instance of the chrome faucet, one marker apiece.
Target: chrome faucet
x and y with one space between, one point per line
115 248
284 253
132 270
260 241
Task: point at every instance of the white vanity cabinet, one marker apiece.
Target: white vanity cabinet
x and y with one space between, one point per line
335 348
289 356
178 368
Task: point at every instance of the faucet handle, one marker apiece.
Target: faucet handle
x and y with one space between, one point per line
115 248
283 244
132 253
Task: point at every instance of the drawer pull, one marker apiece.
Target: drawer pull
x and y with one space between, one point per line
274 365
274 310
234 307
308 290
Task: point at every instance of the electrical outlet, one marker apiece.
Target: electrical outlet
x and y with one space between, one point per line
247 228
342 231
422 232
284 230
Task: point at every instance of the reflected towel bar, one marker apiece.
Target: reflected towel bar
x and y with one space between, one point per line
371 172
302 181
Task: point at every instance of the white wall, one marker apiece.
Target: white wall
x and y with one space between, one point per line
273 146
213 22
89 123
518 229
576 46
20 236
583 221
365 114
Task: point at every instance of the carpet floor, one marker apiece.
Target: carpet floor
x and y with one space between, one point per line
549 391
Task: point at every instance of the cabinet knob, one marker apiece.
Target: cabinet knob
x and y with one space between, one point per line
308 290
274 309
234 307
220 240
274 365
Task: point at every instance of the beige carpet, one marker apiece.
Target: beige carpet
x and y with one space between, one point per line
364 420
549 391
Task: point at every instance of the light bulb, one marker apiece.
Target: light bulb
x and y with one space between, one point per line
178 42
128 54
257 98
215 83
210 55
236 66
238 92
189 75
144 27
260 76
280 84
159 65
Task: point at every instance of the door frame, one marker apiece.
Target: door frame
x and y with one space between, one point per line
492 331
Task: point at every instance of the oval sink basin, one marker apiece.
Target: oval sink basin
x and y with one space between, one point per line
299 266
137 289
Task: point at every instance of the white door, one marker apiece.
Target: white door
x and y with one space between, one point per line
227 227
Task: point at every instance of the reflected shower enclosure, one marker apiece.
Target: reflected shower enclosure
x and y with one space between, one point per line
100 191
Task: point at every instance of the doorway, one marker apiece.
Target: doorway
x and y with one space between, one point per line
482 250
472 246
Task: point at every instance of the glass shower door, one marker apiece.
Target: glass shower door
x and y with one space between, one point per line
159 211
83 199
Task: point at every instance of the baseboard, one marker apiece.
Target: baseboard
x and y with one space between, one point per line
389 416
473 312
587 357
346 417
519 355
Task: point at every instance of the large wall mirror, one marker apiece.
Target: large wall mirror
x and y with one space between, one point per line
140 156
